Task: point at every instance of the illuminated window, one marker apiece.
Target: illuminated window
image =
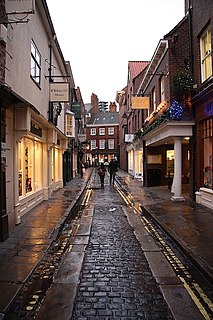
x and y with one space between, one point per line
35 64
206 55
170 154
206 129
29 166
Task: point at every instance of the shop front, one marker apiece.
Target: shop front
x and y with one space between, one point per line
35 161
204 152
167 156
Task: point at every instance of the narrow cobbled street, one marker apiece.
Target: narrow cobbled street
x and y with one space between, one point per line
116 281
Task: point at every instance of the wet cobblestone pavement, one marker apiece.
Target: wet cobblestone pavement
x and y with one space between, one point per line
116 281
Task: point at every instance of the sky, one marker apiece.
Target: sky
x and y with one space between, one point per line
99 37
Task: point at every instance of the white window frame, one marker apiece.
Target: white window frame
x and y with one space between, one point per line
101 131
111 131
93 131
35 64
162 88
206 57
154 103
111 144
102 144
93 144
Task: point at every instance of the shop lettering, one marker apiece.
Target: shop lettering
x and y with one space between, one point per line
36 130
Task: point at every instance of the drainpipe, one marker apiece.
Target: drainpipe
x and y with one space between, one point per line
4 232
193 181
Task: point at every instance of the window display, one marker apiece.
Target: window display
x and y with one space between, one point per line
206 130
29 175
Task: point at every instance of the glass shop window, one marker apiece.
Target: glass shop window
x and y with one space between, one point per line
29 174
170 154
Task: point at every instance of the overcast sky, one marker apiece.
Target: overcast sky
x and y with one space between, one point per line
99 37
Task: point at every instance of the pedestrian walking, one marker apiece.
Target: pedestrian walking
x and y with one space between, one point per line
101 172
113 168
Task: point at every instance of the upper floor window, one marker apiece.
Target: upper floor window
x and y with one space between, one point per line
93 144
102 131
154 104
111 131
206 55
102 144
162 88
93 131
35 64
111 143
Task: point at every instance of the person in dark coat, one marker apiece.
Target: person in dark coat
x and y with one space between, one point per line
113 168
101 172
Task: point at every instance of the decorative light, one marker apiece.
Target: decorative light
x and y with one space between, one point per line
175 110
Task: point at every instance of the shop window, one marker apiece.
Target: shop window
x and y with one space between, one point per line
38 166
170 162
57 164
29 174
35 64
206 55
207 135
20 168
28 165
131 159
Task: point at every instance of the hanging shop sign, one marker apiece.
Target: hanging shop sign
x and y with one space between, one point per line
20 6
129 137
82 137
139 103
76 109
59 92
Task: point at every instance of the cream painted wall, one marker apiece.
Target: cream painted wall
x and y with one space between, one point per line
18 63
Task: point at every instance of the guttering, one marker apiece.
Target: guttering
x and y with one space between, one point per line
155 61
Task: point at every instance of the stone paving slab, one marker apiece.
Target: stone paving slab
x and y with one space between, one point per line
180 303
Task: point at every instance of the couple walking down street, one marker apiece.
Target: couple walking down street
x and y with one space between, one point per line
113 168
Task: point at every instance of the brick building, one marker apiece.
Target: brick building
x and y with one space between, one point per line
176 132
102 137
201 35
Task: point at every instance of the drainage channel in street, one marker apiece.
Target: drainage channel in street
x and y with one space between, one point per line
29 299
196 284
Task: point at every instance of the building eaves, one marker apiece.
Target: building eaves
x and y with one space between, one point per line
171 32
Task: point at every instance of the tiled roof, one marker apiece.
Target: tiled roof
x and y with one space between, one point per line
104 118
135 67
